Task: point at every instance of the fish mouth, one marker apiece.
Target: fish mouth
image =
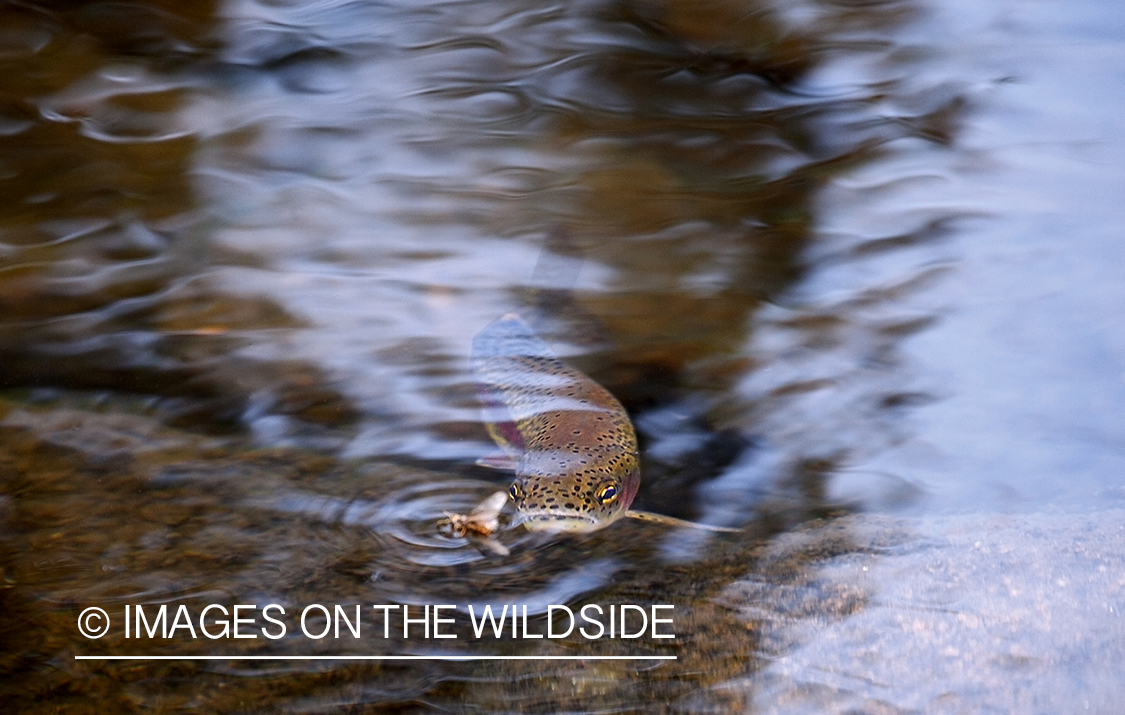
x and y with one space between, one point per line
555 522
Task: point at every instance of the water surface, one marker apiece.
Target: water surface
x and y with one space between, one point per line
852 268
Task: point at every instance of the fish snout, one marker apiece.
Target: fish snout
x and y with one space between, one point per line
554 522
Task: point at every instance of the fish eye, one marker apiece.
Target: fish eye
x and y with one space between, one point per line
606 493
514 492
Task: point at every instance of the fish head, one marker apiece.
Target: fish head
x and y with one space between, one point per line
559 491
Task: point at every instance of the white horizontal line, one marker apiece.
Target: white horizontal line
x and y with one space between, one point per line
375 657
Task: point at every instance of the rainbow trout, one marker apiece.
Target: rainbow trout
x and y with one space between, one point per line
568 439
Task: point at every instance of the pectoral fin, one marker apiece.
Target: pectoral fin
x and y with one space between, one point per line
504 462
673 521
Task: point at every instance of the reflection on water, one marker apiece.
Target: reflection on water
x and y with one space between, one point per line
244 247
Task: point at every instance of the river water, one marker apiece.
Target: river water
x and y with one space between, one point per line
852 267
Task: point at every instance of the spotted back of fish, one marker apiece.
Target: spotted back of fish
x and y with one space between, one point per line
574 447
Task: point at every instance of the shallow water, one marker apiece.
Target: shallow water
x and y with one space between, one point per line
852 268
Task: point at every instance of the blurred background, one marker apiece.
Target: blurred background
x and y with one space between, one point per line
853 267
